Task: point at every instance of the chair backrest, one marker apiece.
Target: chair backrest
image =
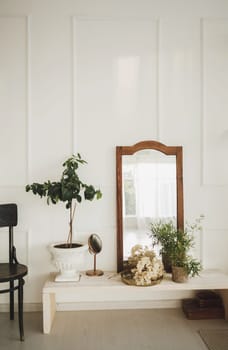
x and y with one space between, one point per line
8 218
8 215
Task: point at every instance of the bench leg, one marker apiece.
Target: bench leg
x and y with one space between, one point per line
49 308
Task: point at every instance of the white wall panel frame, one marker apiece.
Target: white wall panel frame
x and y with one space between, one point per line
28 155
158 79
147 121
211 174
25 18
75 19
202 103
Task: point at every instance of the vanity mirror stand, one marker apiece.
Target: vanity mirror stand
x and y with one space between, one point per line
95 247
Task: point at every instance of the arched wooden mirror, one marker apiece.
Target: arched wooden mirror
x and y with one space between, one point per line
149 186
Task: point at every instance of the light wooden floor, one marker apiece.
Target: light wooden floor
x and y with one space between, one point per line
157 329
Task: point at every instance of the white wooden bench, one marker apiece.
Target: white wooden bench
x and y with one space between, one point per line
109 292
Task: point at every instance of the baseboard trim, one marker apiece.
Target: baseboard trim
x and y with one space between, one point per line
28 307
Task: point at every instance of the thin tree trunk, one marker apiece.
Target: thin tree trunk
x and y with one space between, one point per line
70 235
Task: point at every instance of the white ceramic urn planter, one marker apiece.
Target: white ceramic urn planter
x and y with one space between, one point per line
68 261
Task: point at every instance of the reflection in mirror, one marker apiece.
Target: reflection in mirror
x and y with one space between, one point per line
149 187
149 192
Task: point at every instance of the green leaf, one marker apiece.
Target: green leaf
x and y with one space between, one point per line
79 198
27 188
98 194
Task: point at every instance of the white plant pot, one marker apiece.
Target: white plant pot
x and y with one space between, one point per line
68 261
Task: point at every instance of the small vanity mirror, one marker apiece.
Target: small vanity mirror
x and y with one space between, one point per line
95 247
149 186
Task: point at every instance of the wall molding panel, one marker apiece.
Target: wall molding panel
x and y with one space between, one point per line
116 82
158 24
14 100
106 31
214 51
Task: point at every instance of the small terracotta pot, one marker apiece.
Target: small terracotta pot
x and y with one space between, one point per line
179 274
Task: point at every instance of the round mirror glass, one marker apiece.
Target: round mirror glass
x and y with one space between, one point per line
95 244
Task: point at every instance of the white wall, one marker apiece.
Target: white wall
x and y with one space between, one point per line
85 76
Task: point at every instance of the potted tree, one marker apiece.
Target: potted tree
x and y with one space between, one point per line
176 245
70 190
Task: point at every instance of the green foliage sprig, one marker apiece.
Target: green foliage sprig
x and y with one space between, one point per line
176 243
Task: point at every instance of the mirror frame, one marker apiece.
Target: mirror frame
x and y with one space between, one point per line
129 150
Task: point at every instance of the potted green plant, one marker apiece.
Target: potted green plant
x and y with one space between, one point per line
176 244
183 264
162 233
70 190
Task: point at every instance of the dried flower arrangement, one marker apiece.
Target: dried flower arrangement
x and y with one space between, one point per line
144 267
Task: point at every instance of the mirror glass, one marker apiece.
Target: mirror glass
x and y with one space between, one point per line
149 187
148 192
95 244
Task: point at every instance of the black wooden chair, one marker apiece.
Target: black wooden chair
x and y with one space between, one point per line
12 271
